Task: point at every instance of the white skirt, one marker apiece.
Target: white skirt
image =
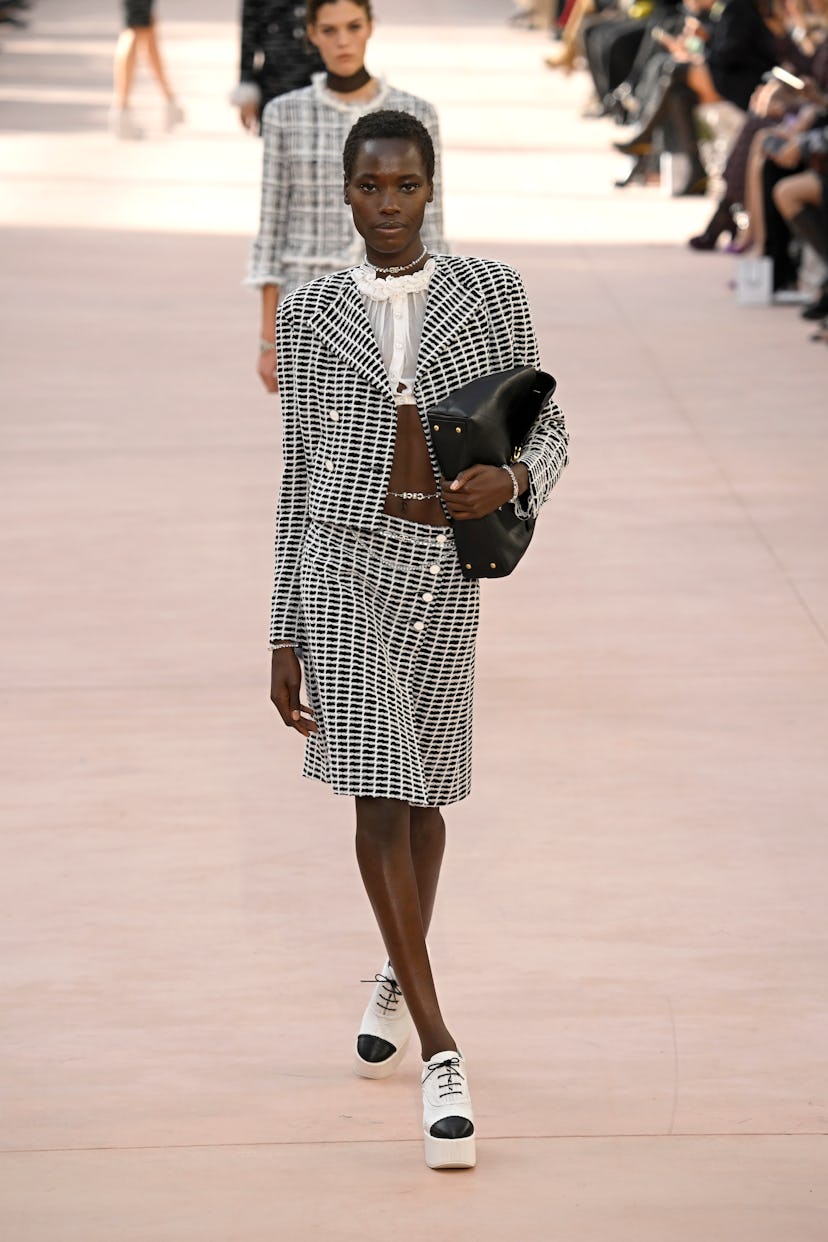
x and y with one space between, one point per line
390 626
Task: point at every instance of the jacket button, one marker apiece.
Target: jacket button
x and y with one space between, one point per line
418 625
428 597
329 465
333 416
434 569
440 539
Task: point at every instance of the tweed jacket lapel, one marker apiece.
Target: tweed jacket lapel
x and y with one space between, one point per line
449 307
345 327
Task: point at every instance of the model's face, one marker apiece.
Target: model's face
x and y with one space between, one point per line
340 32
387 193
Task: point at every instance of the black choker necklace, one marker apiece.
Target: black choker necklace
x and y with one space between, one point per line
347 86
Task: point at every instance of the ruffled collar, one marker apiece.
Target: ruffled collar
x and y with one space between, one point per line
377 290
318 85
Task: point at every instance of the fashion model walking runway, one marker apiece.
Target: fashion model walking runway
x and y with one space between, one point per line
368 592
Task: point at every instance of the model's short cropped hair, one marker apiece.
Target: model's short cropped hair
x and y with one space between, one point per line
388 123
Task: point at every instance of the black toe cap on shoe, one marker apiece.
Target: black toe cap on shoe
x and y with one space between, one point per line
452 1128
372 1048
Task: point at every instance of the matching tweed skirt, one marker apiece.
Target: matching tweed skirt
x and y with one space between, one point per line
390 627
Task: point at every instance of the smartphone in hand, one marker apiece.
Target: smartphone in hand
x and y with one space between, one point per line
772 143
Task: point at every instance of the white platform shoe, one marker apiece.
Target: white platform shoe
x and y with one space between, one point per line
448 1120
385 1029
123 125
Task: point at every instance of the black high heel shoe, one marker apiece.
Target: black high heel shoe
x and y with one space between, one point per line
636 172
817 309
696 187
721 222
635 146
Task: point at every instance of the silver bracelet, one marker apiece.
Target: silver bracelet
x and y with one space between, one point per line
284 646
266 346
515 485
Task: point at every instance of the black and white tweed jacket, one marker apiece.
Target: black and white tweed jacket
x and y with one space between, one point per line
338 411
305 229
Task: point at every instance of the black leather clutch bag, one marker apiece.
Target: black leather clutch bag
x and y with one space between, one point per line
485 423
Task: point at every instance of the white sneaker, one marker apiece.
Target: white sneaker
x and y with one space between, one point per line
173 114
123 125
448 1120
385 1028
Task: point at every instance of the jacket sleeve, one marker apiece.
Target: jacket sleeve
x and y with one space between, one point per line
291 512
544 450
265 267
248 90
433 233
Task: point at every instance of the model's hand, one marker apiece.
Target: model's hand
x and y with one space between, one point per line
285 680
476 492
249 117
267 369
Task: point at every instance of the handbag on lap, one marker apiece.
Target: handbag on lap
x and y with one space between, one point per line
485 423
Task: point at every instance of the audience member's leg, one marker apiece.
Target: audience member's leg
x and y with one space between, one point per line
777 234
799 201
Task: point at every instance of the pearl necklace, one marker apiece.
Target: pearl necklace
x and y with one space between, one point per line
395 271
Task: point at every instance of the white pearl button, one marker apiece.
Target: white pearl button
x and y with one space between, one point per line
333 416
428 597
418 625
434 569
440 539
329 465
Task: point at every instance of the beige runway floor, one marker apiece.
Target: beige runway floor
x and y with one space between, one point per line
631 937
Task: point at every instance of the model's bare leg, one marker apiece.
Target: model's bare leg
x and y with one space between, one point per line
152 52
124 70
386 862
428 843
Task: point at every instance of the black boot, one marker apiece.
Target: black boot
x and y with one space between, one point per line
680 137
653 113
809 225
819 308
721 222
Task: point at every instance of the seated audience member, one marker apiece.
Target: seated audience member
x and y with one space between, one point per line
577 16
759 177
795 202
721 54
10 13
617 49
770 103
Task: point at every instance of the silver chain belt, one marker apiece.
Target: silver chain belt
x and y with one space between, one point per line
415 495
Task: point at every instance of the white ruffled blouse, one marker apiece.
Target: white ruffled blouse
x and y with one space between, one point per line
396 309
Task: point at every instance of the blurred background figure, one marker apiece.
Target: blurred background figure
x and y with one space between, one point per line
305 230
139 35
721 54
11 13
276 56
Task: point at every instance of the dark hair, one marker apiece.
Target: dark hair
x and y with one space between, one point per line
388 124
313 6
